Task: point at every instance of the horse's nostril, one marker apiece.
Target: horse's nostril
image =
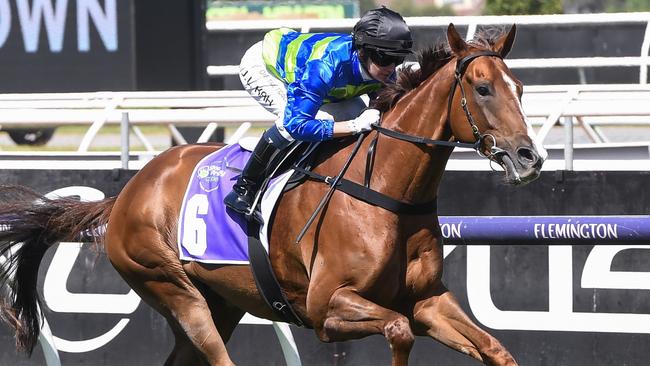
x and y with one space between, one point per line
526 156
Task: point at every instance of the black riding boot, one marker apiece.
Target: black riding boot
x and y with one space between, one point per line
244 191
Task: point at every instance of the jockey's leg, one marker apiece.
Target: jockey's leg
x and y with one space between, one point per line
266 89
442 318
270 93
350 316
241 198
243 193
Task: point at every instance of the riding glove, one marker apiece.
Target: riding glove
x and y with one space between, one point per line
365 121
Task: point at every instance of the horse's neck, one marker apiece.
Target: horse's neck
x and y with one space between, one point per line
412 172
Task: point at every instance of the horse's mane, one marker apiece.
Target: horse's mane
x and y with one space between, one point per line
430 59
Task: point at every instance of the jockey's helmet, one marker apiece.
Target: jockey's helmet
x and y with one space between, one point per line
383 35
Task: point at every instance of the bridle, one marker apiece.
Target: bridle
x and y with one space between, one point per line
461 67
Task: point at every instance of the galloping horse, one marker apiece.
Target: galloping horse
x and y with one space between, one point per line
360 270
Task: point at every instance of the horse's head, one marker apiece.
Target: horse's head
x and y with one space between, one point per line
493 112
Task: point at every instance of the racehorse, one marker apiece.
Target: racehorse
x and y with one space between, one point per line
360 270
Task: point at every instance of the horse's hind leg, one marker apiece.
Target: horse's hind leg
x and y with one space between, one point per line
184 352
442 318
350 316
225 317
156 274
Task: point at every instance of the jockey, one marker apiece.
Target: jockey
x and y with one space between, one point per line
312 82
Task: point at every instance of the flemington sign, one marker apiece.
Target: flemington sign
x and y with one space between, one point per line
66 45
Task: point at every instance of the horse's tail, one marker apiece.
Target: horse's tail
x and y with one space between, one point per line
29 224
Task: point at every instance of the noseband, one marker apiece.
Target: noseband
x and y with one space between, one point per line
461 67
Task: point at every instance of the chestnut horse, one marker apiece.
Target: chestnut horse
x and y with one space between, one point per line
360 269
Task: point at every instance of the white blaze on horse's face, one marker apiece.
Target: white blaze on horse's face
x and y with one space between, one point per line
541 151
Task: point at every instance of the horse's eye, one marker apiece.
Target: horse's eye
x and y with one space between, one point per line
483 90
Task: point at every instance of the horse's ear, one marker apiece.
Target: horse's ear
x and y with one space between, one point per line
504 44
456 42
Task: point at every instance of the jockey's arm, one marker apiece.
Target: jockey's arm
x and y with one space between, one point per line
304 99
300 114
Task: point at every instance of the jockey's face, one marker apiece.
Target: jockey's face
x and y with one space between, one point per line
379 65
380 73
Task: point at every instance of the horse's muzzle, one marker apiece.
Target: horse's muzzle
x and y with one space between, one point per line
521 166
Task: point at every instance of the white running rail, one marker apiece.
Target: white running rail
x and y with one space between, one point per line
589 106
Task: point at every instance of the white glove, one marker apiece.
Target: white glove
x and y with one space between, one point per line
324 115
365 120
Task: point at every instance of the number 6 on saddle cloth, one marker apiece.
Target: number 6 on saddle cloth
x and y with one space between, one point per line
207 230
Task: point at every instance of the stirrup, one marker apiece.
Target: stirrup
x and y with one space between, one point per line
255 216
253 213
231 201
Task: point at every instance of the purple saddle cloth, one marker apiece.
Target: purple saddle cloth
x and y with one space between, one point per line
207 231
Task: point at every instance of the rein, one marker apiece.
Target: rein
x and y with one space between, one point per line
423 140
333 183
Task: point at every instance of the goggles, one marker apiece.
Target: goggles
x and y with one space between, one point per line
381 59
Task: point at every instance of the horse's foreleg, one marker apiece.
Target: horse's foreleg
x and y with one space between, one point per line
350 316
442 318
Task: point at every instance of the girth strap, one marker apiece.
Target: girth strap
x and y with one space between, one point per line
265 279
375 198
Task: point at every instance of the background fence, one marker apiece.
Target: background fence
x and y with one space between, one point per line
584 53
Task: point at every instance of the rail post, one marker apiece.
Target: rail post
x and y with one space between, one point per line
568 143
124 134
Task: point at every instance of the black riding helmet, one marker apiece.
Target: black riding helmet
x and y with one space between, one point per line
384 35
